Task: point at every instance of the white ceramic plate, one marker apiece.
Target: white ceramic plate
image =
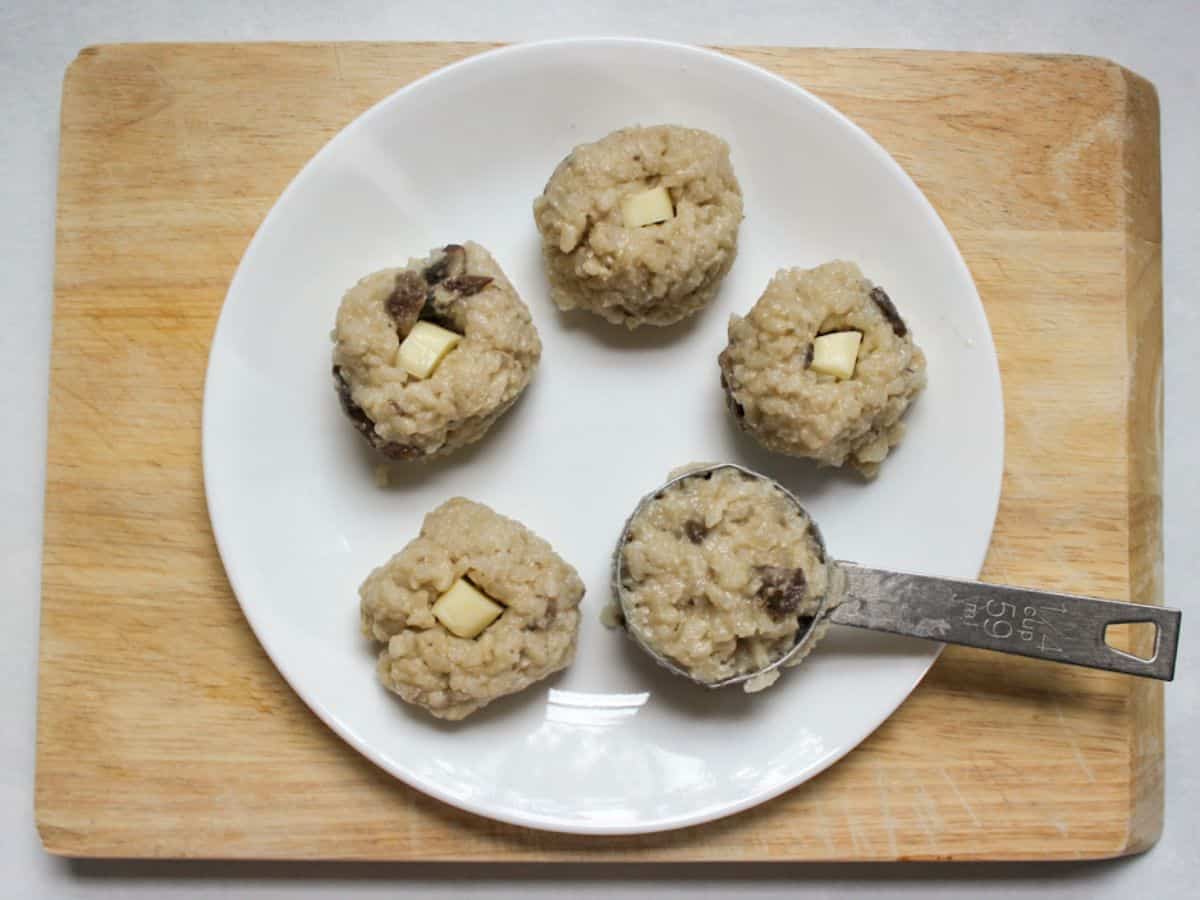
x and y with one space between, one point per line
613 745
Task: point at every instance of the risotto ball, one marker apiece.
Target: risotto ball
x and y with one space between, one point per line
641 226
823 367
476 607
427 357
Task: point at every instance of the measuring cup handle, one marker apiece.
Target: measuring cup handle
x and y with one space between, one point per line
1044 625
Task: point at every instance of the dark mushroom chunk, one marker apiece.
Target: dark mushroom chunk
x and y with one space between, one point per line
888 308
353 411
439 309
406 301
737 408
447 283
365 425
393 450
695 530
782 590
452 263
467 285
731 401
808 356
439 312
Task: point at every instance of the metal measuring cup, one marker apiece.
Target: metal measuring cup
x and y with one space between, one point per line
1062 628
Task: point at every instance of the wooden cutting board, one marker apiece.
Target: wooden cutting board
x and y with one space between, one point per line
164 731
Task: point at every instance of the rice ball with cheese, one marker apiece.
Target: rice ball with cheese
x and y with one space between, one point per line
428 356
476 607
641 226
824 367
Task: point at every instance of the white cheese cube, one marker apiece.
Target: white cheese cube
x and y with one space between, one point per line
424 348
647 208
465 611
836 354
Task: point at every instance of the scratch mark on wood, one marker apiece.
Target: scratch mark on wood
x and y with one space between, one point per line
862 847
885 809
962 801
1070 734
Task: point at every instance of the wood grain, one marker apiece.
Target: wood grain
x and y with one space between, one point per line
164 731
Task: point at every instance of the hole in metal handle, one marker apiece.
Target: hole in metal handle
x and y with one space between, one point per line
1140 637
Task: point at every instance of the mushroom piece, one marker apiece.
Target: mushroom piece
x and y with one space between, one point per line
406 301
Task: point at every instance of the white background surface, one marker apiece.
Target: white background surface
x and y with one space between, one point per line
38 40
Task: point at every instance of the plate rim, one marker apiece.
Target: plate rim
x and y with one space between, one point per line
551 823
